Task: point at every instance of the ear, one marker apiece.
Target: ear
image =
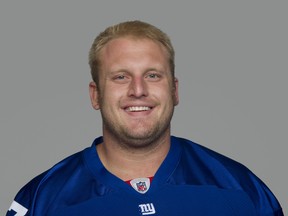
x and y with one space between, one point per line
94 95
175 92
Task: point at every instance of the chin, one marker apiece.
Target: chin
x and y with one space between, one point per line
143 139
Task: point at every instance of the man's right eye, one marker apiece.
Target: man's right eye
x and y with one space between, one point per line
120 78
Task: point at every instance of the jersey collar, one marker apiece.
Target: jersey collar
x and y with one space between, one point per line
103 176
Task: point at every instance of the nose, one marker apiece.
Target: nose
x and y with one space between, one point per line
138 88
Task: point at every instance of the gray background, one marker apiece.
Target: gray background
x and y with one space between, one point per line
231 60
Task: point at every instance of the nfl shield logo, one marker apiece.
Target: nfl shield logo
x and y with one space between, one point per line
141 186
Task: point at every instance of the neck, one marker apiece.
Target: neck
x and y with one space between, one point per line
130 163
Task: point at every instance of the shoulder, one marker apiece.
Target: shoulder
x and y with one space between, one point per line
228 173
210 167
210 158
46 185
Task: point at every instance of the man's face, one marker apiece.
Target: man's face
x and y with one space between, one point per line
137 93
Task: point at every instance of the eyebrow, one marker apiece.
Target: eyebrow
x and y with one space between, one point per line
124 70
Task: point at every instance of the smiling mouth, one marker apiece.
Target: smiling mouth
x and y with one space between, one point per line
138 108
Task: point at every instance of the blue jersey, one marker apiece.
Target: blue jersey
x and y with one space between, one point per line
192 180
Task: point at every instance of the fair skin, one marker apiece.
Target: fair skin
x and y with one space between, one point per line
136 99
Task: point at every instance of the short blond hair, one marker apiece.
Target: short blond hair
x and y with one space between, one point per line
137 29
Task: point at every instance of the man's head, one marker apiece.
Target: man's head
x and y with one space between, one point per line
135 29
134 87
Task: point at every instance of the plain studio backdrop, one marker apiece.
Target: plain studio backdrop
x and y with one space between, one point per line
231 60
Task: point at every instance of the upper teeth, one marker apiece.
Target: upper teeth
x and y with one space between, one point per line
141 108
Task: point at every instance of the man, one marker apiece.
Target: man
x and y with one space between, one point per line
137 167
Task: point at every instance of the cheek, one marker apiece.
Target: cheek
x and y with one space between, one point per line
164 93
111 97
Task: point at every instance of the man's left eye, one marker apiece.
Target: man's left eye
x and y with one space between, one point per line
153 76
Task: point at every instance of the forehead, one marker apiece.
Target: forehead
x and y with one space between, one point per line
130 44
